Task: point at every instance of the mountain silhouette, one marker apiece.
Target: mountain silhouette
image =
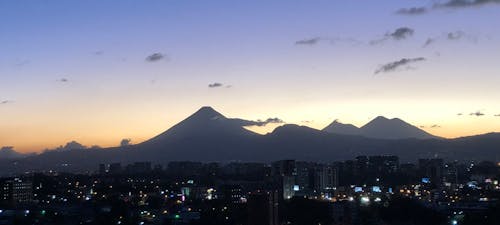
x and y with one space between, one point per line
339 128
209 136
8 152
381 128
204 123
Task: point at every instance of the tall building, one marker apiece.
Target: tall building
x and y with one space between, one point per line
284 173
432 169
384 164
16 190
326 178
263 208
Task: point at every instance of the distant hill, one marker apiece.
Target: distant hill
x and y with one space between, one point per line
381 128
8 152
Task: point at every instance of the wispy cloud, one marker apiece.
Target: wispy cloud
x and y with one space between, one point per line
460 114
155 57
259 123
450 36
393 66
477 113
215 85
466 3
4 102
436 126
497 115
63 80
397 35
331 40
412 11
309 41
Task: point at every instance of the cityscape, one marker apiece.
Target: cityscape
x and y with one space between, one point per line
223 112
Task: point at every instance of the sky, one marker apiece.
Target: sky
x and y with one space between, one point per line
100 71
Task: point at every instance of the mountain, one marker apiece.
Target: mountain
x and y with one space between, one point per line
381 128
339 128
206 123
209 136
8 152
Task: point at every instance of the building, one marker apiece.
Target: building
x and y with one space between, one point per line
16 191
432 169
326 178
263 208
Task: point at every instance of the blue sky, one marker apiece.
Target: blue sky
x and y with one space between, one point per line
77 70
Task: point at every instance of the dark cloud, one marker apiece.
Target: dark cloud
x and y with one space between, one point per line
63 80
412 11
401 33
310 41
477 113
215 85
306 121
155 57
497 115
428 42
393 66
460 114
466 3
259 123
125 142
5 102
435 126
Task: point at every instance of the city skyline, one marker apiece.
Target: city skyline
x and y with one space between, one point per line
99 72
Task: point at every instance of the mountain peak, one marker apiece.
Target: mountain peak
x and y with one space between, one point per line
341 128
207 113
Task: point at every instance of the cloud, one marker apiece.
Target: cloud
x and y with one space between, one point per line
215 85
460 114
4 102
401 33
477 113
397 35
310 41
155 57
393 66
125 142
497 115
72 145
63 80
456 35
466 3
331 40
100 52
428 42
259 123
435 126
412 11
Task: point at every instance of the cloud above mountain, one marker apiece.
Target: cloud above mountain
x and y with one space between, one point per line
259 123
402 63
125 142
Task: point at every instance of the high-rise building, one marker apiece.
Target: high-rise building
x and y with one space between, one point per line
263 208
326 178
432 169
16 190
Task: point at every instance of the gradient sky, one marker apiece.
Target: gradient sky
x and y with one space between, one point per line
77 70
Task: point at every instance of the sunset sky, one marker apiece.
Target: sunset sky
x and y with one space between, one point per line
99 71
